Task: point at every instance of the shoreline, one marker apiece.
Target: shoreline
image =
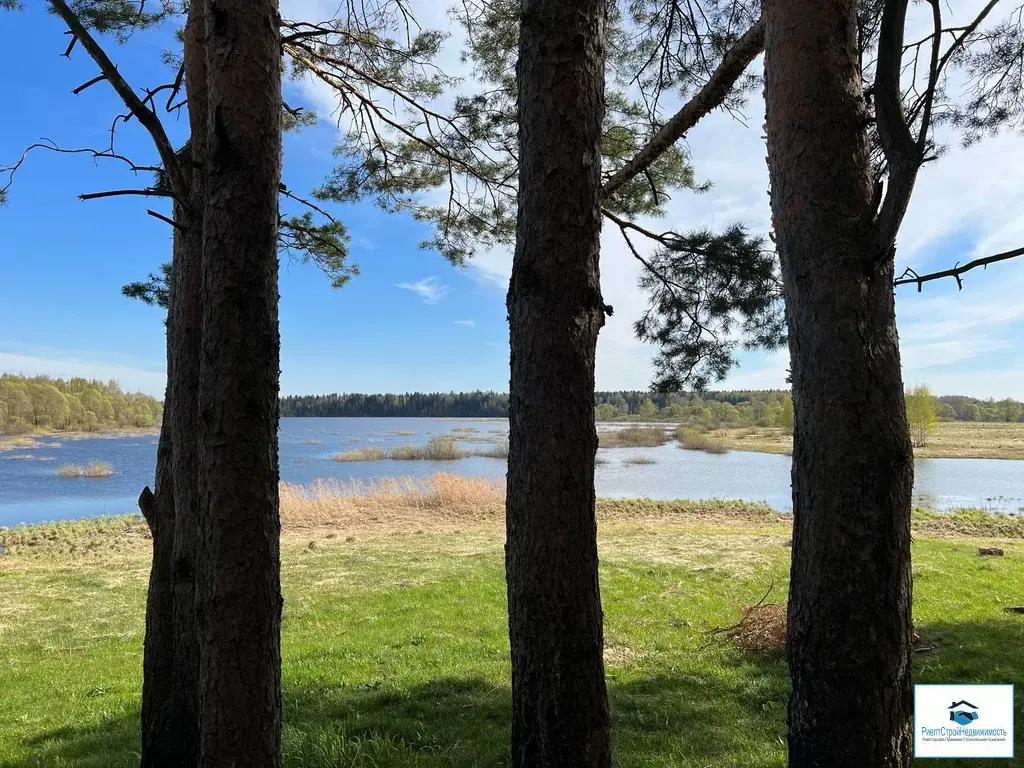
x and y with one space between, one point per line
950 440
455 505
30 440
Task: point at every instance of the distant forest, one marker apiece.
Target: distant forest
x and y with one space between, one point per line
763 408
40 403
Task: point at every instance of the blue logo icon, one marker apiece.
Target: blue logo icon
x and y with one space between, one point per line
963 712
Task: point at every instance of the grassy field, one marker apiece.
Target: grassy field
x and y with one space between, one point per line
950 440
395 646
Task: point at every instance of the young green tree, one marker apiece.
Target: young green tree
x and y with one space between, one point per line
786 415
922 413
1010 409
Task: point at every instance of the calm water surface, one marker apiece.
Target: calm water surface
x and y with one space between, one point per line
30 490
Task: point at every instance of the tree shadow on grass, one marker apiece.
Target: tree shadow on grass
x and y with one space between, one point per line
464 723
986 652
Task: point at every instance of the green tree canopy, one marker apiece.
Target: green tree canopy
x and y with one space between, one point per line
922 413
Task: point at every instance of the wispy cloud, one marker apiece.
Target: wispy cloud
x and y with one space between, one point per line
466 323
430 289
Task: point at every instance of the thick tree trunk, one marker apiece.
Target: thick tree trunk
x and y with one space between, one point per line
187 311
850 594
159 733
240 593
170 697
559 701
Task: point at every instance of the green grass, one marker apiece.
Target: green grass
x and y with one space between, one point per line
395 650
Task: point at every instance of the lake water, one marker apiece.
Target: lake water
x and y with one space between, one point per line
30 490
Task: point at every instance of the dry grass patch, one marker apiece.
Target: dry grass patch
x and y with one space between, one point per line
950 440
974 440
96 469
362 454
641 460
13 443
499 451
692 440
443 502
761 628
436 449
633 437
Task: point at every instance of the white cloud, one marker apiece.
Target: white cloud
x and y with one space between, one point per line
965 199
130 378
430 289
466 323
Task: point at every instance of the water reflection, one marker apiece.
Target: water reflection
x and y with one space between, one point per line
30 491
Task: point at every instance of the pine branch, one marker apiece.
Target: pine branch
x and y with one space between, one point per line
146 117
711 95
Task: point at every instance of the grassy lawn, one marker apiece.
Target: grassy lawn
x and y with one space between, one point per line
395 644
950 440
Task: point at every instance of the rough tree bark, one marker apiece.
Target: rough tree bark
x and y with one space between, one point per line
184 426
850 633
560 711
170 698
239 581
159 738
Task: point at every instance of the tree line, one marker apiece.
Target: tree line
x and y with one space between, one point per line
30 403
741 408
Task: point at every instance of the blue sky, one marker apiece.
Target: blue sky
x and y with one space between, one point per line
410 321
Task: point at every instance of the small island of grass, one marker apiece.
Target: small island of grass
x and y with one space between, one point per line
96 469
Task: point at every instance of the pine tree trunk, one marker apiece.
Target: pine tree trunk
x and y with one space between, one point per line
560 711
240 592
187 310
170 697
159 736
850 632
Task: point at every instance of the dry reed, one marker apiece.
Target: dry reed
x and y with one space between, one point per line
633 437
692 440
95 469
361 454
441 502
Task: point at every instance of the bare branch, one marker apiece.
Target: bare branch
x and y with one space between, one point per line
309 204
145 116
52 147
163 218
122 192
710 96
83 86
178 80
910 277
